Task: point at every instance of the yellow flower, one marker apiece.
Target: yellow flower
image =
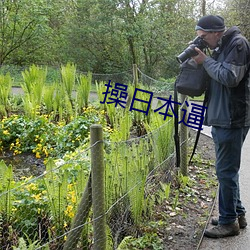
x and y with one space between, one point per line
6 132
38 156
69 211
73 199
14 209
37 196
17 152
45 151
31 187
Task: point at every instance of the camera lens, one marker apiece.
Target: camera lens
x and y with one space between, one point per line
187 53
190 50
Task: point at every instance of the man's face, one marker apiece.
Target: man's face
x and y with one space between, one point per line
211 38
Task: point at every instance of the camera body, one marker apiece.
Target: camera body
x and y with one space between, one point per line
190 51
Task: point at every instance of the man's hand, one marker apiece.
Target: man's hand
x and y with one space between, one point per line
200 58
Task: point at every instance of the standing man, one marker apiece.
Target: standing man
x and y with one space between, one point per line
228 112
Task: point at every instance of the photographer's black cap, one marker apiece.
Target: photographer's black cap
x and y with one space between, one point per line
210 23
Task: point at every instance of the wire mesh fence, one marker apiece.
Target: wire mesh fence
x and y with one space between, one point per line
46 210
56 209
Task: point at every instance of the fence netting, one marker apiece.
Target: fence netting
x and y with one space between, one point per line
52 209
41 211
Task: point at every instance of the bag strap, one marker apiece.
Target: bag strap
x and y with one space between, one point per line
176 134
197 134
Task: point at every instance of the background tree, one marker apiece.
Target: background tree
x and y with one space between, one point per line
106 36
21 25
237 13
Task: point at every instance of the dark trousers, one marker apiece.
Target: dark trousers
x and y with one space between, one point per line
228 145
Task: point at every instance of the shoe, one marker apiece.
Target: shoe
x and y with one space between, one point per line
241 219
221 231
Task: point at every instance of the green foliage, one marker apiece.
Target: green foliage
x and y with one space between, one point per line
34 81
43 137
83 91
56 187
68 74
48 98
128 161
164 192
161 136
126 172
140 117
103 36
30 206
29 245
5 89
6 184
147 241
23 28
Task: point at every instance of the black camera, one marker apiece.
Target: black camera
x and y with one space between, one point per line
190 51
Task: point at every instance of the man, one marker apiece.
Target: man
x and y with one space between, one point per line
228 112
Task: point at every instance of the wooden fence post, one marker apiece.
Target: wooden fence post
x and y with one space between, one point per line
183 141
135 75
98 194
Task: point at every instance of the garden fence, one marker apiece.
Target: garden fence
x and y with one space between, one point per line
96 202
56 214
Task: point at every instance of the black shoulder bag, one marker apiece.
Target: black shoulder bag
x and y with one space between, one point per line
192 81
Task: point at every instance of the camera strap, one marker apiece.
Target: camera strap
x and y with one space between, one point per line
176 134
198 133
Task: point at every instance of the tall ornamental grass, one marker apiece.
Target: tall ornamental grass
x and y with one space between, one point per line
34 80
5 90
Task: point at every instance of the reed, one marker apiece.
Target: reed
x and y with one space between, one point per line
5 90
34 80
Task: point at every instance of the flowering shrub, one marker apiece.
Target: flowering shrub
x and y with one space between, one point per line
43 137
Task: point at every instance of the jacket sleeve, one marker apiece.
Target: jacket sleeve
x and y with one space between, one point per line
234 66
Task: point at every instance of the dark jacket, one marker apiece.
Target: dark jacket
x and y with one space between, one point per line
228 104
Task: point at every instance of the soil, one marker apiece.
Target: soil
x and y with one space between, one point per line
25 164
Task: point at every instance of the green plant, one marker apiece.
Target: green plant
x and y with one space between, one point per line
83 91
164 191
56 187
30 207
100 89
176 199
48 98
126 173
160 132
122 124
5 90
6 184
184 181
28 245
43 137
140 107
147 241
34 81
68 74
